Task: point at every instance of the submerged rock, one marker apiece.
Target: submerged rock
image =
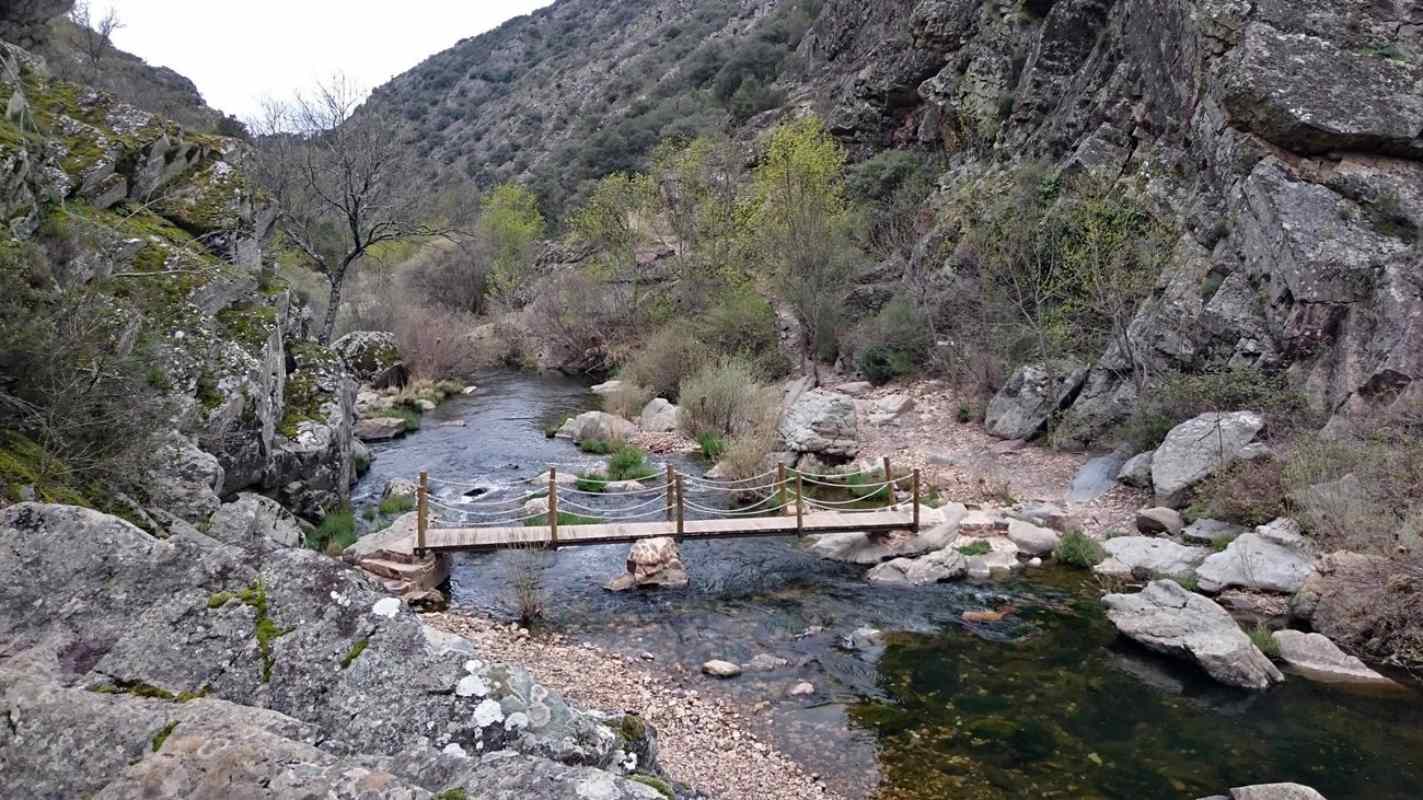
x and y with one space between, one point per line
945 565
379 429
652 564
873 548
1314 656
1173 621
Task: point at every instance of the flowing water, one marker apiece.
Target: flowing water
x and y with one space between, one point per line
1047 703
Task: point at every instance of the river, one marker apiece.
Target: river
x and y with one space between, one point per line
1048 703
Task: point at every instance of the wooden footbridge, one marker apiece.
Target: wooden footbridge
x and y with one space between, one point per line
550 512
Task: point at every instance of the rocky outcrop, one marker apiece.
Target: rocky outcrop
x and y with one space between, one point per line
822 423
186 480
937 567
1030 397
23 21
1173 621
1259 561
372 357
659 416
1133 556
597 426
255 522
319 655
1366 604
940 531
1196 449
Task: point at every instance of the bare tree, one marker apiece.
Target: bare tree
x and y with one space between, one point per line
338 176
96 33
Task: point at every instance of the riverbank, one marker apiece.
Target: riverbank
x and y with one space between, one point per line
702 741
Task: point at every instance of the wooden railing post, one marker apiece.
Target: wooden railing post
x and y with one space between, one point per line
422 513
889 479
780 486
799 506
671 493
681 511
916 500
553 506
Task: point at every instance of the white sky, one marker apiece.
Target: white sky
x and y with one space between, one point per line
238 53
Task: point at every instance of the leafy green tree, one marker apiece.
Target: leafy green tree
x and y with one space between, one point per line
608 222
802 218
510 224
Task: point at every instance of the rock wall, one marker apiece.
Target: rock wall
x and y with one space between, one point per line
172 232
1283 139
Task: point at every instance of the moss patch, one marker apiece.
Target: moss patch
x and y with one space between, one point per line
265 630
23 462
354 653
249 324
660 785
452 794
162 735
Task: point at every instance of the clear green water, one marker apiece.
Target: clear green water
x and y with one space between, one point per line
1056 707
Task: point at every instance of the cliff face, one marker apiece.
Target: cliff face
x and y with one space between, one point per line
160 226
1281 138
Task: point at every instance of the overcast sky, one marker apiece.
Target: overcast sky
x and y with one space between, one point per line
240 52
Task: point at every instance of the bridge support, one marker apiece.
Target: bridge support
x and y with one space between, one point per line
553 506
422 519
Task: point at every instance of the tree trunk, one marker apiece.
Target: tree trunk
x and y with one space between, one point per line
333 306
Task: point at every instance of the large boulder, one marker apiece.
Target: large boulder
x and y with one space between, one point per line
944 565
1314 656
1197 448
867 549
1275 791
659 416
652 564
296 633
1259 561
1035 392
186 480
23 21
379 429
369 355
599 426
823 423
1136 472
1032 539
1157 558
1170 620
1367 604
254 521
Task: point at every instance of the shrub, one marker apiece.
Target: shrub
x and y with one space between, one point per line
526 582
976 549
1262 637
740 322
749 453
1177 398
1077 549
592 482
664 361
1248 494
713 446
881 364
723 399
1362 493
894 341
628 401
411 416
434 342
395 505
336 532
630 464
597 447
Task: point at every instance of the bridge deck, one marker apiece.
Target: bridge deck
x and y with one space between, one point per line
487 539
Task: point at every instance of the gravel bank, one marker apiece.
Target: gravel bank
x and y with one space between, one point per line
701 741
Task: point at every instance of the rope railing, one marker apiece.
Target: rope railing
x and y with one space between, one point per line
672 498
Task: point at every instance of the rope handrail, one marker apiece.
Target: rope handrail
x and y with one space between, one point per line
633 492
512 514
660 502
879 485
740 490
715 482
752 512
513 501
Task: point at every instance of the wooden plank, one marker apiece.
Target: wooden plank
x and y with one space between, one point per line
483 539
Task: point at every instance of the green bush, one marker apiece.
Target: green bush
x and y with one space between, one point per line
976 549
398 504
1181 397
630 464
740 322
1077 549
594 482
713 446
336 532
597 447
881 364
1262 637
411 416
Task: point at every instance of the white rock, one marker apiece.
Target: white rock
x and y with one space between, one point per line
721 669
469 390
488 713
1159 557
1255 562
802 689
1032 539
1314 656
471 686
453 749
659 416
386 607
1197 448
605 389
